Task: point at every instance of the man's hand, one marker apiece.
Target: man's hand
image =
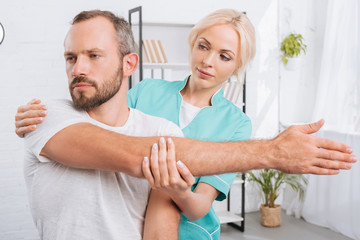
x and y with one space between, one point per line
296 151
29 116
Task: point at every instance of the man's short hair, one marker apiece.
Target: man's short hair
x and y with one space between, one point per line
125 36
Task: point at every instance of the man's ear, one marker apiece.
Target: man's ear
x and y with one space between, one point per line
130 62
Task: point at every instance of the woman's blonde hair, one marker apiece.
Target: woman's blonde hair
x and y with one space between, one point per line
241 24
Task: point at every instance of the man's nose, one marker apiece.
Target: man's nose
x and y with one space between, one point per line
81 67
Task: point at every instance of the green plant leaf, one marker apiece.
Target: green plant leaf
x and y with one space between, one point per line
271 180
291 46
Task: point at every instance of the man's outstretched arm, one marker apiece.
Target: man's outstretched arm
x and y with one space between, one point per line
293 151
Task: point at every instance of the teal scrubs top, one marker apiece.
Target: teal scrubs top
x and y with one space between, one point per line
221 122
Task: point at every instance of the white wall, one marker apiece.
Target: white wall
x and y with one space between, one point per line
31 65
298 88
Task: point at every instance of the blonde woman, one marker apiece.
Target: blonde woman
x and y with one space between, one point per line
221 46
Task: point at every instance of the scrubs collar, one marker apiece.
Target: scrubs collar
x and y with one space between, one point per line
215 99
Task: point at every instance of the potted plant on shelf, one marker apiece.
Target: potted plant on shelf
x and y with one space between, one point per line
270 180
291 47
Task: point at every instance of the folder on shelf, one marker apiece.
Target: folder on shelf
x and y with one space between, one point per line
157 73
147 73
145 56
167 74
149 50
232 91
162 52
156 51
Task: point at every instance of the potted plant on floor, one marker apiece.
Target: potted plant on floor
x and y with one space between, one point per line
269 181
291 47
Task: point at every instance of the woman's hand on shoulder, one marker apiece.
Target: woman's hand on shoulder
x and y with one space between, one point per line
29 116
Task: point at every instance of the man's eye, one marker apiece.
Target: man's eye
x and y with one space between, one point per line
69 59
94 56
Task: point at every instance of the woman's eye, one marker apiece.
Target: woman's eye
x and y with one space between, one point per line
224 57
202 47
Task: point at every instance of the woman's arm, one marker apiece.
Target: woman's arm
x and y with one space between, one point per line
197 204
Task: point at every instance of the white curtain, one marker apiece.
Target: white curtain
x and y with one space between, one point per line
334 201
338 94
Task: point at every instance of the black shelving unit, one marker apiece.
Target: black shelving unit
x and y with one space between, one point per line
140 67
240 227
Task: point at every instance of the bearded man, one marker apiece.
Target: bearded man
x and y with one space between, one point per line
69 200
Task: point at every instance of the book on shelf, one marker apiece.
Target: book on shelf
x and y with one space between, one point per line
149 50
162 52
145 56
232 91
155 51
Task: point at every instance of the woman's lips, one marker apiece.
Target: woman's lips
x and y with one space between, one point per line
204 74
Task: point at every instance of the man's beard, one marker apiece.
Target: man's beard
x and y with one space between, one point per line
103 93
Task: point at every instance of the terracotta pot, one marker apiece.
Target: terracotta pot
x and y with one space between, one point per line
270 217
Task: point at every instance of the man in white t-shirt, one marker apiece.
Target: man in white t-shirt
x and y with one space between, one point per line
74 203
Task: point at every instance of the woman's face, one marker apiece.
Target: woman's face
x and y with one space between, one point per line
214 56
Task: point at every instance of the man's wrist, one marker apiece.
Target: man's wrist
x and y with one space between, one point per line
269 151
259 154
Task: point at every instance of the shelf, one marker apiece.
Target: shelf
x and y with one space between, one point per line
226 217
156 24
238 181
174 66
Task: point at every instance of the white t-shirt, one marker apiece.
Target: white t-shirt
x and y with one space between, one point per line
187 113
69 203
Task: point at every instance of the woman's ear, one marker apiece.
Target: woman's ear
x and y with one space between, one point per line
130 62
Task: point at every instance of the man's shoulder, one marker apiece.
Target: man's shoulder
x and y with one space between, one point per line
63 109
155 125
60 113
60 103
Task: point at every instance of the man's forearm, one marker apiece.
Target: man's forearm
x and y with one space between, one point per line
87 146
84 145
210 158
